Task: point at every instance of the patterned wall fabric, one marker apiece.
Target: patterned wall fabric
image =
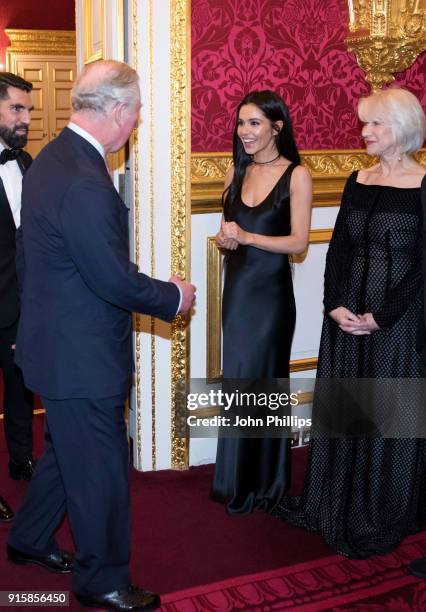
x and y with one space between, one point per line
295 47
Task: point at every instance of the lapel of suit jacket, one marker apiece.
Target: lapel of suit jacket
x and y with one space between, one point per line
5 210
24 162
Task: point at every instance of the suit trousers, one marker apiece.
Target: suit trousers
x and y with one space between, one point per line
17 401
83 471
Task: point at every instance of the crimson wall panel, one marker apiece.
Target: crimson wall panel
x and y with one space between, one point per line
295 47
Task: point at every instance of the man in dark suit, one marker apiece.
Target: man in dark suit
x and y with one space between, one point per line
15 109
418 566
74 342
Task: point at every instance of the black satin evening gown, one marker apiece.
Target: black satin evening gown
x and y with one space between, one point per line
258 317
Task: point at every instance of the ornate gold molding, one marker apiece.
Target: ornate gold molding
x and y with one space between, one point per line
329 170
180 104
388 35
152 231
214 310
41 42
134 146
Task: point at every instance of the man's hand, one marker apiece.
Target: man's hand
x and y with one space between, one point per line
188 293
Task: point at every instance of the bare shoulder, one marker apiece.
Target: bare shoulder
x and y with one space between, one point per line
228 177
301 173
301 178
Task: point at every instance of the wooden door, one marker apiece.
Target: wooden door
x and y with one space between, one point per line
62 74
52 78
36 72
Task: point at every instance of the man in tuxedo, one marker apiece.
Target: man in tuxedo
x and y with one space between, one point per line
74 342
15 109
418 566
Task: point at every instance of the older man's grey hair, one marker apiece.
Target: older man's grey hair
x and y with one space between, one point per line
103 84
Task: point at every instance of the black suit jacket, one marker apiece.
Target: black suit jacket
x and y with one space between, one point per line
79 286
9 302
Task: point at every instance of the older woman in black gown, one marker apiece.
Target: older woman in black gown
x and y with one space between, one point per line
267 202
364 495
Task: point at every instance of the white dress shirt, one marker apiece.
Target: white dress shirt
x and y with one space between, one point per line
11 176
79 130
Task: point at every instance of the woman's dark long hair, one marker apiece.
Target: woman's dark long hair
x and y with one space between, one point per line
274 109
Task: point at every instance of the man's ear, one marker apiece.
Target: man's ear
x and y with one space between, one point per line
120 112
278 126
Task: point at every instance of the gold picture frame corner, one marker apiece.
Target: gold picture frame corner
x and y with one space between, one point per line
90 11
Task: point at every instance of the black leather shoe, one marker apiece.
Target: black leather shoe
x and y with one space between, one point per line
22 471
131 599
58 561
6 513
418 567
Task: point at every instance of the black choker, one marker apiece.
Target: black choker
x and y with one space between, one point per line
267 162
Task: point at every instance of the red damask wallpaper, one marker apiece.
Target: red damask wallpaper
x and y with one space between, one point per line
295 47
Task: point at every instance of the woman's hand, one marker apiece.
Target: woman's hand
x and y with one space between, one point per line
225 243
348 321
368 322
357 325
233 231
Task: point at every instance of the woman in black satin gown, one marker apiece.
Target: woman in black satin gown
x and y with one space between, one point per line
267 203
365 494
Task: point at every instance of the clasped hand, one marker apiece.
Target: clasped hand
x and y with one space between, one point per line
230 235
357 325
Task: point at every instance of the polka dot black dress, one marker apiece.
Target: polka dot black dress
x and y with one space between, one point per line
363 495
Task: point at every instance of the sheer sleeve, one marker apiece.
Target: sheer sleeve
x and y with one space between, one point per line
334 274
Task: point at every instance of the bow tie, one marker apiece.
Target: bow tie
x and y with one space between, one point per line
9 155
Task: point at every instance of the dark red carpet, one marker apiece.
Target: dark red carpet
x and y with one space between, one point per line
331 583
182 540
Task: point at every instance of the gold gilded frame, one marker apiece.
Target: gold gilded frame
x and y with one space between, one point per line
329 170
39 42
180 104
180 48
90 54
134 142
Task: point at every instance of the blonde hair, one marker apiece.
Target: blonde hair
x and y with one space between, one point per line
400 109
103 84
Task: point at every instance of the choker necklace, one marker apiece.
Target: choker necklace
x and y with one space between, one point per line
267 162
